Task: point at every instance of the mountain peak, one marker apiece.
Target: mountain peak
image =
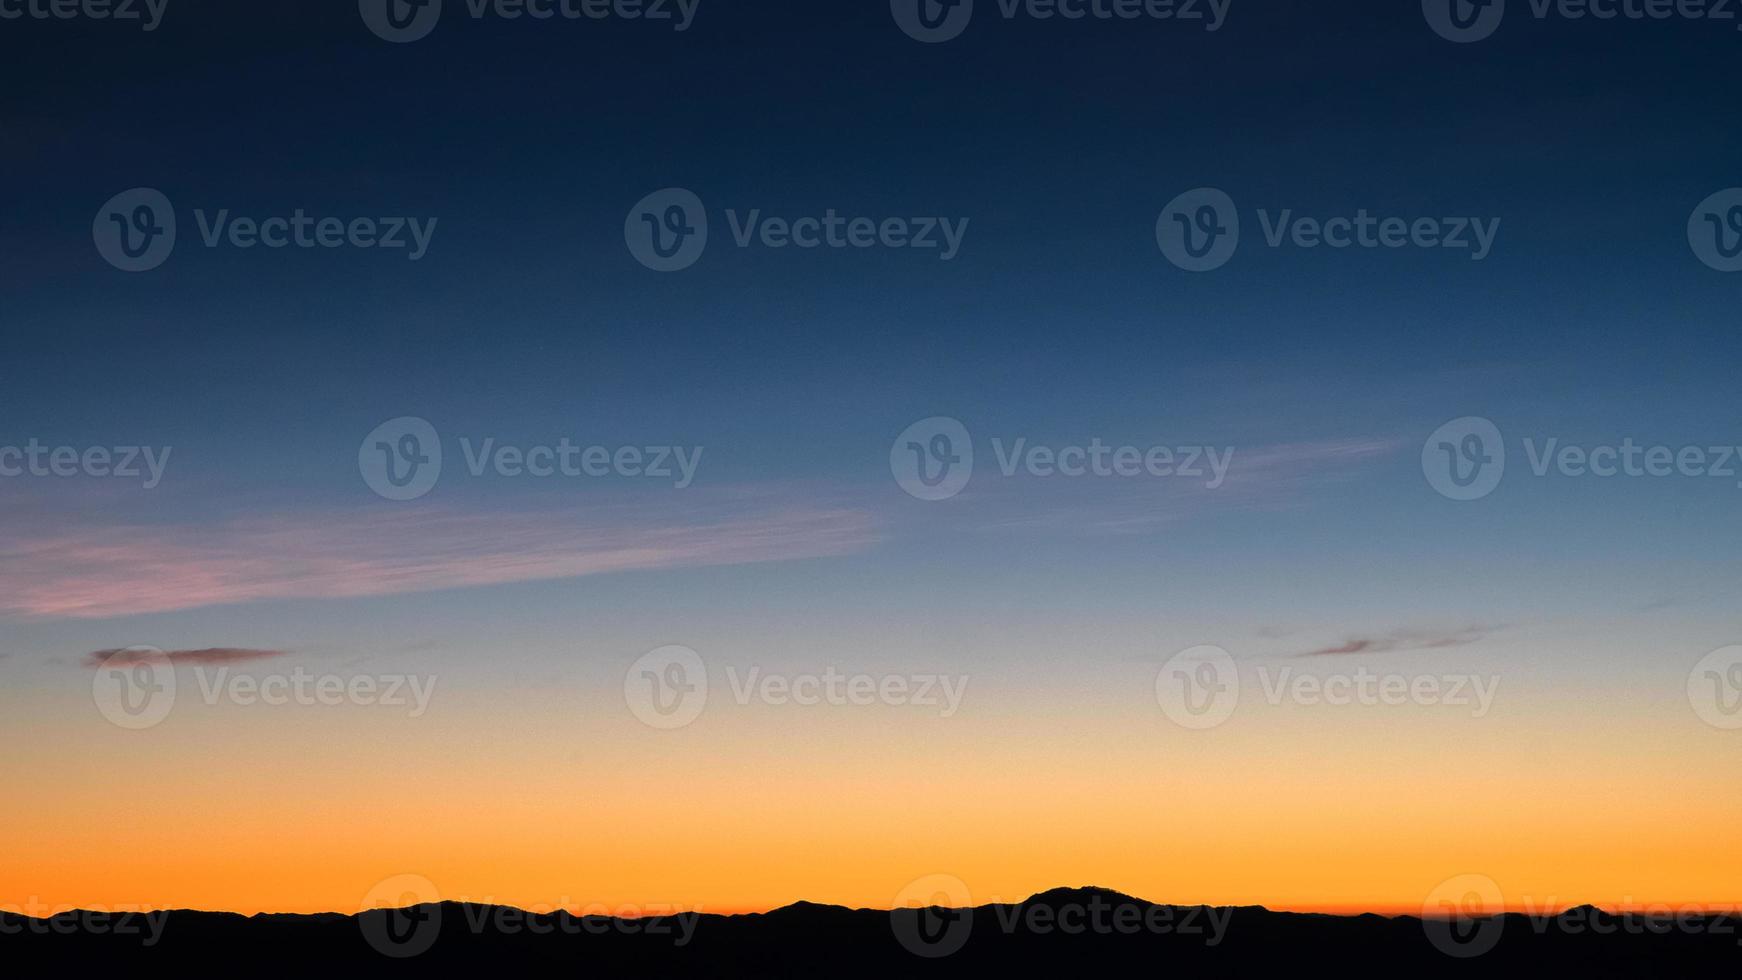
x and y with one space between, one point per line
1083 895
804 908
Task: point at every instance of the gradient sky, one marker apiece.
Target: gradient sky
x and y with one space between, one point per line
529 780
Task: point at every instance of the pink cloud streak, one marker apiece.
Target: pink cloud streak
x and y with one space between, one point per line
91 573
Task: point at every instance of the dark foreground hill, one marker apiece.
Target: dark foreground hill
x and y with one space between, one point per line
1056 933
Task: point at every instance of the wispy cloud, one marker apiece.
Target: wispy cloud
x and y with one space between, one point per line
88 572
1405 639
212 655
1258 478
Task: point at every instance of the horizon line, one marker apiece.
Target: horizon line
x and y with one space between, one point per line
670 909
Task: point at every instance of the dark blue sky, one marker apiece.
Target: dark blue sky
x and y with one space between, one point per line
1060 320
1061 141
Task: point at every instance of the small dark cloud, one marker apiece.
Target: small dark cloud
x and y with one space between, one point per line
210 655
1398 640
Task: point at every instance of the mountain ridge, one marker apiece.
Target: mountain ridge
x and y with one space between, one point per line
1077 893
1059 930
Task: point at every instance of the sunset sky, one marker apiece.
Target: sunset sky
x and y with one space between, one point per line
529 780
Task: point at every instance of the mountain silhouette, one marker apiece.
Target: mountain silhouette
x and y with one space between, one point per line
1081 896
1055 931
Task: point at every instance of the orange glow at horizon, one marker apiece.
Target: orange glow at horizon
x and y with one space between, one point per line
751 808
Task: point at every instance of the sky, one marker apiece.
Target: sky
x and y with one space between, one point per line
265 382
